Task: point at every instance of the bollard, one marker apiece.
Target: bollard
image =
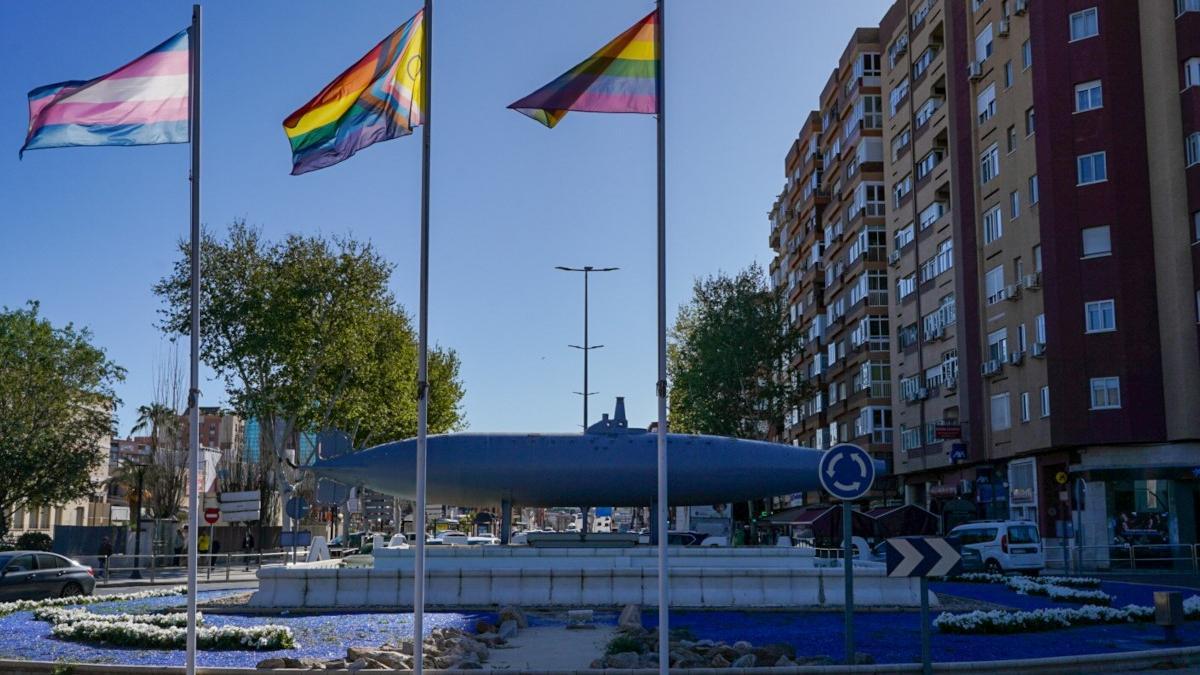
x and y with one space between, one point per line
1168 613
228 565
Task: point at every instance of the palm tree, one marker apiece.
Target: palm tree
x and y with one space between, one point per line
156 417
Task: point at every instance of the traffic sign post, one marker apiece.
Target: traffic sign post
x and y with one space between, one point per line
295 507
923 557
847 473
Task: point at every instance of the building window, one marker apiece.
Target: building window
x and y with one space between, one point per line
1100 316
983 44
1191 71
989 164
1024 406
1033 190
1008 74
1092 168
1001 419
1096 241
1089 96
986 103
993 283
1037 258
1196 223
1182 6
901 189
897 96
998 345
1026 55
930 214
929 162
904 236
1045 401
1030 122
1039 328
993 225
900 142
1012 138
1193 148
905 286
1106 393
1014 204
1085 24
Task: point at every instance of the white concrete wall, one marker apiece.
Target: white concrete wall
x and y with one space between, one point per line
700 578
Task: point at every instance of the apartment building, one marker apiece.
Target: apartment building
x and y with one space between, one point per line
828 227
1041 167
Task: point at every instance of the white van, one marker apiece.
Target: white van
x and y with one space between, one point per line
1004 545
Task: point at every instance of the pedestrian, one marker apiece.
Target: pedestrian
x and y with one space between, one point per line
180 546
247 547
106 550
216 550
202 547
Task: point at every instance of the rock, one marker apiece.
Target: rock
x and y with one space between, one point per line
579 618
483 626
863 658
490 639
469 665
685 658
357 665
393 660
784 662
514 613
623 660
743 647
290 662
270 664
630 619
597 664
508 629
706 643
719 661
817 661
744 661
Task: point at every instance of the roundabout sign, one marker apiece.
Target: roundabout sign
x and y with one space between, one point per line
847 472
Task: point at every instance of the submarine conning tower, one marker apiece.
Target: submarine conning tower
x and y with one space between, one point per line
618 424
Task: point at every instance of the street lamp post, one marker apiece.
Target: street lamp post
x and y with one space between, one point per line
137 520
586 347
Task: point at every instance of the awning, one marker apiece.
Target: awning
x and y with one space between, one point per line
824 521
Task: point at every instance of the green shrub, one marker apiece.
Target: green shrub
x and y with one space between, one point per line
34 541
625 643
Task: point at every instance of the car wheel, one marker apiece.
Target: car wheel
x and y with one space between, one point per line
71 589
993 567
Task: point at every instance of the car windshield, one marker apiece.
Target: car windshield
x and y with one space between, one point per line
4 561
1023 534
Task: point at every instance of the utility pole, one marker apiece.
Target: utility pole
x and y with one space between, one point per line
586 347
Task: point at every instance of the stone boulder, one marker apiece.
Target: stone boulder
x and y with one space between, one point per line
743 647
719 661
483 626
745 661
508 629
514 613
630 619
784 662
625 660
270 664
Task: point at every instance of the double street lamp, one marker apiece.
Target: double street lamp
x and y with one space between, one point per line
586 347
137 519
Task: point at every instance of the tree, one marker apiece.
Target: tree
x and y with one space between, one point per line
56 408
305 334
729 357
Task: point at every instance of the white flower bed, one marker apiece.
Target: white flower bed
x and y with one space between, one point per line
57 615
147 636
1070 582
27 605
999 621
1030 586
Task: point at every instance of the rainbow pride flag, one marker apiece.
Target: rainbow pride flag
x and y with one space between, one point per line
620 78
376 99
144 102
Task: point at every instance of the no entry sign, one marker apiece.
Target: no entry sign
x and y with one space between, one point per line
211 515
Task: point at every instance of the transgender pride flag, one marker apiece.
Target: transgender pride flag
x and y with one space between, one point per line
144 102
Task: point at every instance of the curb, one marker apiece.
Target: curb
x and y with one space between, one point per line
1178 657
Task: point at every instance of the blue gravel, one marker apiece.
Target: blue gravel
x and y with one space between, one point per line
890 637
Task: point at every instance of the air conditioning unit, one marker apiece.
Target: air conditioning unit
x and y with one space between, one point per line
974 70
894 258
992 367
1039 350
935 333
1016 358
1032 281
950 383
1003 32
1021 7
922 394
1012 292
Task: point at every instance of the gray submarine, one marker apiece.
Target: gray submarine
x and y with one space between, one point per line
610 463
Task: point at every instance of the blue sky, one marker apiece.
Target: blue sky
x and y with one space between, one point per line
87 231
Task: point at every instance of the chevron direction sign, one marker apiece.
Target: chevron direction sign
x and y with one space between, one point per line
922 557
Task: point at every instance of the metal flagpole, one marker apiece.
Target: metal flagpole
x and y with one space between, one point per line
194 386
422 350
664 635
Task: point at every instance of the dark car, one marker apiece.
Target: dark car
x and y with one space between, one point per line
32 575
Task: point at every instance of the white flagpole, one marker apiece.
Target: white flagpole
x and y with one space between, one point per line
194 386
422 350
664 635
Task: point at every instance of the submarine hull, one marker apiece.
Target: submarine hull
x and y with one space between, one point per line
568 469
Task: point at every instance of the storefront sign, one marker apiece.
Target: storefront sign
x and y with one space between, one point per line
947 431
1019 496
943 491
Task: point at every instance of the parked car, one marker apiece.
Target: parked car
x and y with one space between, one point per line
33 575
452 537
1004 545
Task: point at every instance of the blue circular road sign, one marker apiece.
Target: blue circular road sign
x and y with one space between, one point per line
296 507
847 471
